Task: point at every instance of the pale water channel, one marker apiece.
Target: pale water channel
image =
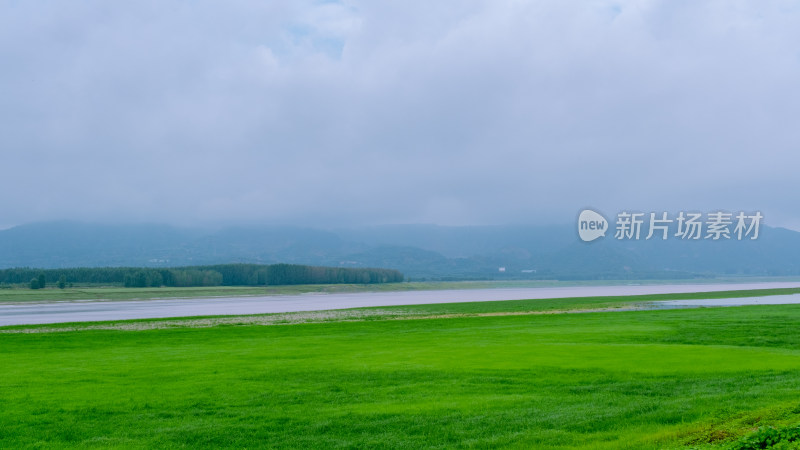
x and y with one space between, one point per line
98 310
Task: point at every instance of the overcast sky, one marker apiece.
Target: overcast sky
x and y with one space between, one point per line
347 113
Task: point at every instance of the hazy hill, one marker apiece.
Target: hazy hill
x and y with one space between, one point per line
420 251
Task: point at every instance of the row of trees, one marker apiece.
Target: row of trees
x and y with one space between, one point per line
214 275
40 282
173 277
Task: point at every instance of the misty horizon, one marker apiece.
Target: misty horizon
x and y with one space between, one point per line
334 226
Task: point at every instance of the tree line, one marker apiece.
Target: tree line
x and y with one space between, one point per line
212 275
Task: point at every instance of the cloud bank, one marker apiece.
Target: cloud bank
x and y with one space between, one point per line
454 112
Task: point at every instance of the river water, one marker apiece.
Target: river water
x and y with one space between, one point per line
87 311
744 301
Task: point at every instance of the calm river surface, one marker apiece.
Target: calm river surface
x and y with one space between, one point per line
87 311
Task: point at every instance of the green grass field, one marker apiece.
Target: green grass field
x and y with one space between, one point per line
636 379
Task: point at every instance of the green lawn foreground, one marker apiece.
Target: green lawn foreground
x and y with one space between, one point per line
637 379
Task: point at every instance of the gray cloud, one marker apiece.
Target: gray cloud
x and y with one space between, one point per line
447 112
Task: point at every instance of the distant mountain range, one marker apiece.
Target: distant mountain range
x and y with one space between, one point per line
419 251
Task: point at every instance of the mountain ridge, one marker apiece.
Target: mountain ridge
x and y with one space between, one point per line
419 251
